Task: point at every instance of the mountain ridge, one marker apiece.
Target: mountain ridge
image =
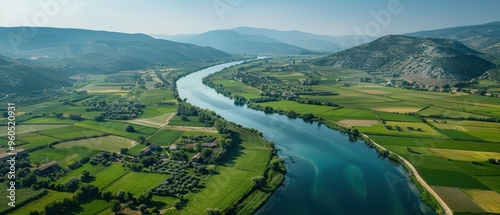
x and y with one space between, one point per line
423 60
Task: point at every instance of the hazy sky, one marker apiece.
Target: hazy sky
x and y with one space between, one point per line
332 17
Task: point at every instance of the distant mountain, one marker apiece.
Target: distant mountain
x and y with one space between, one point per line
423 60
233 42
484 38
310 41
98 51
27 76
313 42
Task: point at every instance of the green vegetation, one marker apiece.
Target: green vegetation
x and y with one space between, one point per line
165 137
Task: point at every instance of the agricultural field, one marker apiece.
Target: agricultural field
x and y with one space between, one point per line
106 176
223 189
39 204
22 129
108 143
155 122
117 128
69 132
62 156
165 137
191 121
136 182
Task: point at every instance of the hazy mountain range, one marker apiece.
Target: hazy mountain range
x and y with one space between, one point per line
484 38
246 40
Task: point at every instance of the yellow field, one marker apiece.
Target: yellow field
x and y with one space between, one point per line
355 122
486 199
426 130
155 122
464 155
398 109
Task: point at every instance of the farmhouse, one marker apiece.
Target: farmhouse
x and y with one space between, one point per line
213 144
146 151
197 157
46 168
6 156
173 146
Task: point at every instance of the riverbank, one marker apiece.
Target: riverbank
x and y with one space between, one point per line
413 172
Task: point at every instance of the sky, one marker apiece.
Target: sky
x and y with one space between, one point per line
328 17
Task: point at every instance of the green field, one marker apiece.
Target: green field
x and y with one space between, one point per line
165 137
223 189
39 205
108 143
70 132
106 176
192 121
153 96
117 128
35 140
92 169
62 156
379 129
136 182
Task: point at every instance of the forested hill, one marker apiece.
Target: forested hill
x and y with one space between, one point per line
424 60
20 76
98 51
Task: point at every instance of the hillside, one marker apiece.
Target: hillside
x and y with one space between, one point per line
97 51
484 38
24 76
423 60
233 42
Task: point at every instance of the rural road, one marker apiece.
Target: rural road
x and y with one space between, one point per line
414 171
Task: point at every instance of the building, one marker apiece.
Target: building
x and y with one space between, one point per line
7 155
197 157
213 144
173 146
146 151
46 168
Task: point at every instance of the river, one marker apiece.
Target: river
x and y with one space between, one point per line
327 173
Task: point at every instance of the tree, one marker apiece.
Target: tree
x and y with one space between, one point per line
141 139
115 206
72 184
76 117
107 196
129 128
85 175
206 153
212 211
259 181
184 118
355 132
142 208
123 150
100 118
198 147
120 195
59 115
